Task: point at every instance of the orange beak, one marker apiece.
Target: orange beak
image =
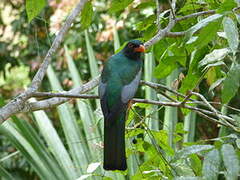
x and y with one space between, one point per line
141 48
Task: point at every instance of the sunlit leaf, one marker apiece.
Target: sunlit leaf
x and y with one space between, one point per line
213 57
85 176
86 15
226 5
215 84
92 167
205 35
200 25
231 162
231 32
34 7
118 5
211 165
231 84
183 153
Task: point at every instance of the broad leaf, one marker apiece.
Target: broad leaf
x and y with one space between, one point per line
213 57
86 15
185 152
34 7
215 84
231 162
231 84
226 5
200 25
211 165
205 35
165 67
193 76
118 5
231 32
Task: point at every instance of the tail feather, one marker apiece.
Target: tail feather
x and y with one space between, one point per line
114 144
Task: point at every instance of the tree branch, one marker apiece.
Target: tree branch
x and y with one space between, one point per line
49 103
61 97
18 103
55 45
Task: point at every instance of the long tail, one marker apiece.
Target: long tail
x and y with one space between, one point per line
114 144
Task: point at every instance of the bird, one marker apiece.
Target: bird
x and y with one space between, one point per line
118 84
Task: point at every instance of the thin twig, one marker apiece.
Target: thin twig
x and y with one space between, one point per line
65 94
18 103
196 15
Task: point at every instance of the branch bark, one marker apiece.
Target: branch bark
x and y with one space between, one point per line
18 103
61 97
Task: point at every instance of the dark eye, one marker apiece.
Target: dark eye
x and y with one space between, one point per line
130 45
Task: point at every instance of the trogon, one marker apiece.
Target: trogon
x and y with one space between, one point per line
118 84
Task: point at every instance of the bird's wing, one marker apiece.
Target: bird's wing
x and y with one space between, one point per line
101 88
129 90
127 93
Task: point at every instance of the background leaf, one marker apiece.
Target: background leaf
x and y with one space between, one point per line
118 5
34 7
231 84
231 162
231 31
211 165
86 15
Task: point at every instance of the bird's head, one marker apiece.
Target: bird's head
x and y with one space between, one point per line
133 49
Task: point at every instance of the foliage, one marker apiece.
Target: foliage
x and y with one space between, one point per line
162 142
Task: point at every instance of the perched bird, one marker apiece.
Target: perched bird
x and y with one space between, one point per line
118 84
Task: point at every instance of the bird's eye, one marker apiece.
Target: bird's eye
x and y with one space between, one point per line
130 45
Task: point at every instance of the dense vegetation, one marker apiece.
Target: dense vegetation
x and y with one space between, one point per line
191 131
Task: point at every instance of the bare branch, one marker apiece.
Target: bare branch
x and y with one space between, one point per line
17 104
49 103
55 45
64 94
20 104
196 15
161 33
62 97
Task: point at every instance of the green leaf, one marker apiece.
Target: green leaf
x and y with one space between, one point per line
79 151
55 144
231 31
185 152
213 57
5 174
187 178
92 167
231 162
166 66
34 7
194 74
195 164
118 5
227 5
215 84
143 25
189 82
86 15
27 141
205 35
200 25
211 165
85 176
231 84
149 32
86 112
